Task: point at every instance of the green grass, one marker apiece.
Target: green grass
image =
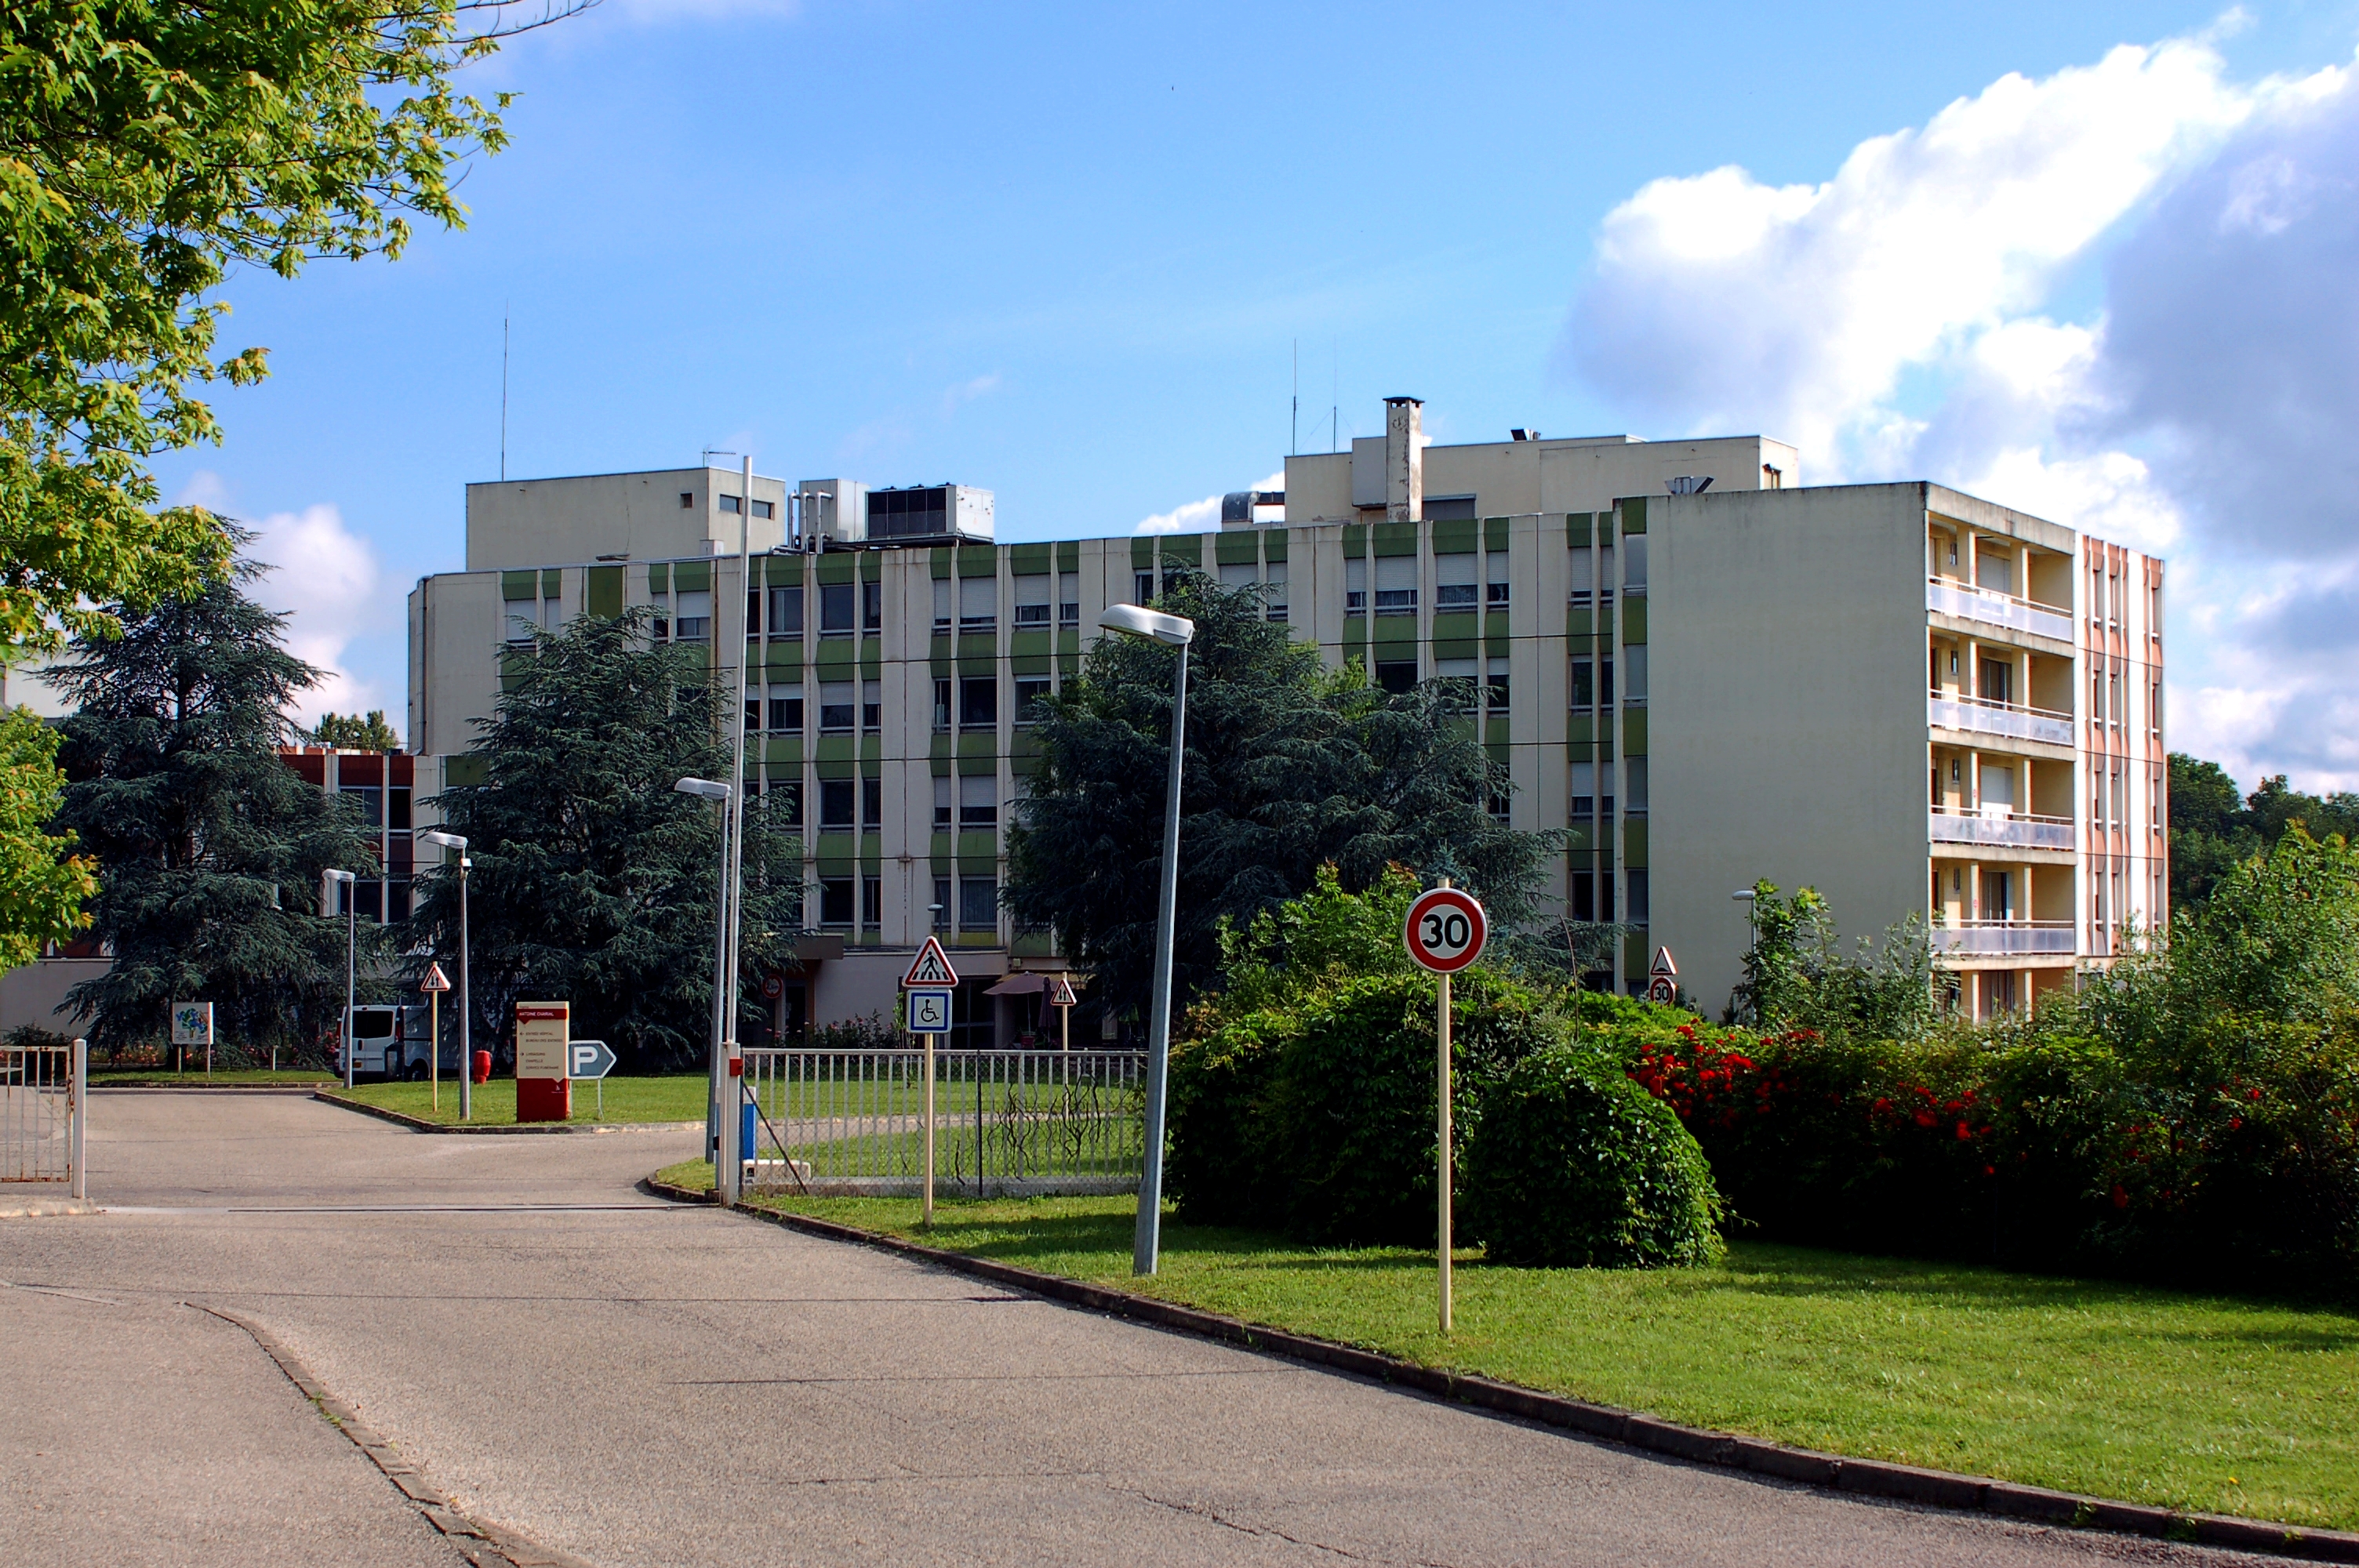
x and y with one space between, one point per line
165 1078
2208 1403
679 1097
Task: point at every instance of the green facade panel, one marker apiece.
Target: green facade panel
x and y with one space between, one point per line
522 585
1634 842
1494 533
604 594
1634 620
834 570
1237 546
1634 731
1273 543
1068 555
1634 513
1458 627
691 577
978 560
1395 538
1027 645
978 845
659 577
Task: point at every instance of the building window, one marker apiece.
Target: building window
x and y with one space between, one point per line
1634 564
1029 692
1274 576
835 610
1634 882
1634 675
1396 676
660 624
872 905
687 500
1032 602
835 806
787 710
1605 581
941 704
1634 786
786 800
835 708
978 606
753 613
753 713
1069 599
1495 588
1355 586
694 623
1496 680
978 903
979 702
1467 670
1455 585
872 707
1584 903
729 504
872 607
1500 809
978 802
943 790
872 804
941 607
1583 777
835 900
1584 685
787 612
1583 568
1142 588
1396 585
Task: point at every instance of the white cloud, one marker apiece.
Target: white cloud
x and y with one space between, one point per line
968 391
1199 516
327 581
1901 319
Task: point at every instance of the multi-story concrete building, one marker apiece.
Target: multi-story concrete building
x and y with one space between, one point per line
1702 672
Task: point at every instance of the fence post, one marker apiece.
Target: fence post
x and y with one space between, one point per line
78 1117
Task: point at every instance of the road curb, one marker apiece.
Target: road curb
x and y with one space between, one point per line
48 1208
1871 1478
204 1088
482 1543
500 1130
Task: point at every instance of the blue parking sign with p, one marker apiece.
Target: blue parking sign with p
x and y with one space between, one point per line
929 1011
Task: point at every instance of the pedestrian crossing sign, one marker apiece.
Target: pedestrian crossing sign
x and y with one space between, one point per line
932 967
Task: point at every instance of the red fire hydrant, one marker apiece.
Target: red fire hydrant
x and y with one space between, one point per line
482 1066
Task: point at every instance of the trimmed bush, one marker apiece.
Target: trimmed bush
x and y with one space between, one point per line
1574 1165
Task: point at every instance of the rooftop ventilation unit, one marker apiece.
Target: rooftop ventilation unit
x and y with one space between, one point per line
928 513
1688 484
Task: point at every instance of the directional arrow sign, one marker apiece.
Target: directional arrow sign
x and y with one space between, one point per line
932 968
587 1059
929 1011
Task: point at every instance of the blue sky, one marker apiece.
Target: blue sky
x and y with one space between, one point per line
1066 254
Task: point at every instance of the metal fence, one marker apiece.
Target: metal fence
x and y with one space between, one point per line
1006 1123
44 1097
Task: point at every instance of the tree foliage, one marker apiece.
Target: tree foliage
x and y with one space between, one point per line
352 732
1796 974
2213 829
42 882
210 849
1289 767
593 880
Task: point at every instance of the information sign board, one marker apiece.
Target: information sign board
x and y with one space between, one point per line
543 1030
929 1011
192 1023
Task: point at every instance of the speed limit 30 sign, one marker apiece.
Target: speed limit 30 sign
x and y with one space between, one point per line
1446 930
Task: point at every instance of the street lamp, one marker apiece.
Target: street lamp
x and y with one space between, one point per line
725 1172
1178 632
1752 935
345 879
466 998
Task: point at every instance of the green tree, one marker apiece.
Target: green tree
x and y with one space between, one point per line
2214 831
352 732
42 884
1289 767
593 880
1796 974
210 849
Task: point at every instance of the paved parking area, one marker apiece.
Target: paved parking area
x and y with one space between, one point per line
629 1381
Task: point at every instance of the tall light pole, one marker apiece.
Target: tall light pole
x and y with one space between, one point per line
345 879
725 1171
1178 632
734 909
466 998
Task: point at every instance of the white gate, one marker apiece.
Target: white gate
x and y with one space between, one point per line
44 1099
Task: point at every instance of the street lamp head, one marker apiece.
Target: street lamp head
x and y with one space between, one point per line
1744 897
703 789
340 877
1137 622
447 840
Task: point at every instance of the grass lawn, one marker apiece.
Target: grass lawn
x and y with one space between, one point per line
2207 1403
165 1078
679 1097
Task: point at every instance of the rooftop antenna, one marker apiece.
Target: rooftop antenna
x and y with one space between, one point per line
1294 425
504 391
1335 386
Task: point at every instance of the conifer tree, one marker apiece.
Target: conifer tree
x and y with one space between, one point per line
210 849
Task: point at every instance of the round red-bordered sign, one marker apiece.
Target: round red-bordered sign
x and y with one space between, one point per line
1446 930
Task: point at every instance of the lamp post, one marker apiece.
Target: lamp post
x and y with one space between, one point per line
1752 936
466 998
1177 632
345 879
725 1172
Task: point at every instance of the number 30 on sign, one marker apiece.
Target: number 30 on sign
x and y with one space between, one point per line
1446 930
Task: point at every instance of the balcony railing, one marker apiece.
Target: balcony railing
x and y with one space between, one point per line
1952 597
1985 716
2004 938
1990 827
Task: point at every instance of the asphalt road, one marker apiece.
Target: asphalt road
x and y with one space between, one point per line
634 1382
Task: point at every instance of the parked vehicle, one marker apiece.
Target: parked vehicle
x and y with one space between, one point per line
393 1041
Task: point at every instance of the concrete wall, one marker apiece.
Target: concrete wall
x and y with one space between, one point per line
1512 478
32 993
545 521
1787 724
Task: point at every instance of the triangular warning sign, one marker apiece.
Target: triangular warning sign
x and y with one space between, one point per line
435 980
1060 993
932 967
1663 964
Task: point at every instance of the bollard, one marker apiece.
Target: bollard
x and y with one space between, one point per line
482 1066
747 1128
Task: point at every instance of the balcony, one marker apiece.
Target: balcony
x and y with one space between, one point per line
1984 717
1993 828
2005 939
1948 596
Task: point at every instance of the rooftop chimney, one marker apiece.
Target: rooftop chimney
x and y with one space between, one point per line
1404 458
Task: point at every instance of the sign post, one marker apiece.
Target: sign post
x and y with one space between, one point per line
435 983
192 1025
1663 978
1445 932
1061 998
932 984
542 1031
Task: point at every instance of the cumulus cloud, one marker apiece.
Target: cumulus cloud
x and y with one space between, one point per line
1199 516
328 582
1904 318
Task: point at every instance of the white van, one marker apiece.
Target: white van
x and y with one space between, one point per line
392 1042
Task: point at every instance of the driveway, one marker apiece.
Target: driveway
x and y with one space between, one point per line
627 1381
